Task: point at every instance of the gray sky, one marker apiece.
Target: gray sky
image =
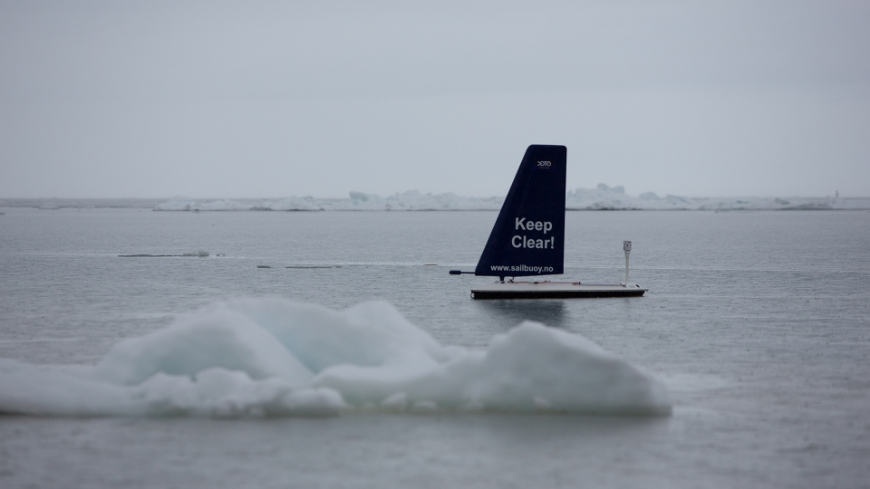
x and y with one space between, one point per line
271 99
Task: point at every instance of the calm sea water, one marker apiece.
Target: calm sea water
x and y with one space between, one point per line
758 323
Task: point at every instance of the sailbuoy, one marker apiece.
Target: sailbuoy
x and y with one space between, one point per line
529 236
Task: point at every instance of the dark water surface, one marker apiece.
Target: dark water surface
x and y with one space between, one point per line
758 323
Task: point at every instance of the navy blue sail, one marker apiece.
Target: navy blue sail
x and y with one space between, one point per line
529 234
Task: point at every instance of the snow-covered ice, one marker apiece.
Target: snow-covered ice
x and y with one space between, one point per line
268 357
411 200
603 197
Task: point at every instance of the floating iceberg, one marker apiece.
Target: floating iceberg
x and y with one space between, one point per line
603 197
271 357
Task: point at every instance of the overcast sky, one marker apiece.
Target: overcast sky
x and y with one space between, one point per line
273 99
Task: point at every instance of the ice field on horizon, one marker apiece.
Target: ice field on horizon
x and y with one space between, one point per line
603 197
274 357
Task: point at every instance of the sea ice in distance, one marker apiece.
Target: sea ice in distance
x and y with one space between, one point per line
603 197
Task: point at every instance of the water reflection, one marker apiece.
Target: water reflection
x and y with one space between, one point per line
551 312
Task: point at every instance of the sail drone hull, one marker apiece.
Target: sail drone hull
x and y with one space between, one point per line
529 236
554 290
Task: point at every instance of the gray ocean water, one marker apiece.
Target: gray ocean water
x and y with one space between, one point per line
758 323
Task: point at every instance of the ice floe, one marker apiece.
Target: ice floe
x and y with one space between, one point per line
272 357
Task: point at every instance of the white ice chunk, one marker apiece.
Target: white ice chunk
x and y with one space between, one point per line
214 337
268 357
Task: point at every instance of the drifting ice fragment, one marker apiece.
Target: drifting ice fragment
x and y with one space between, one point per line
272 357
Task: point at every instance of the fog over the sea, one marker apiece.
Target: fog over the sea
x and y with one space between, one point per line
274 99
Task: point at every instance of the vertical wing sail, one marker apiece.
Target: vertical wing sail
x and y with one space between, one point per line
529 235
